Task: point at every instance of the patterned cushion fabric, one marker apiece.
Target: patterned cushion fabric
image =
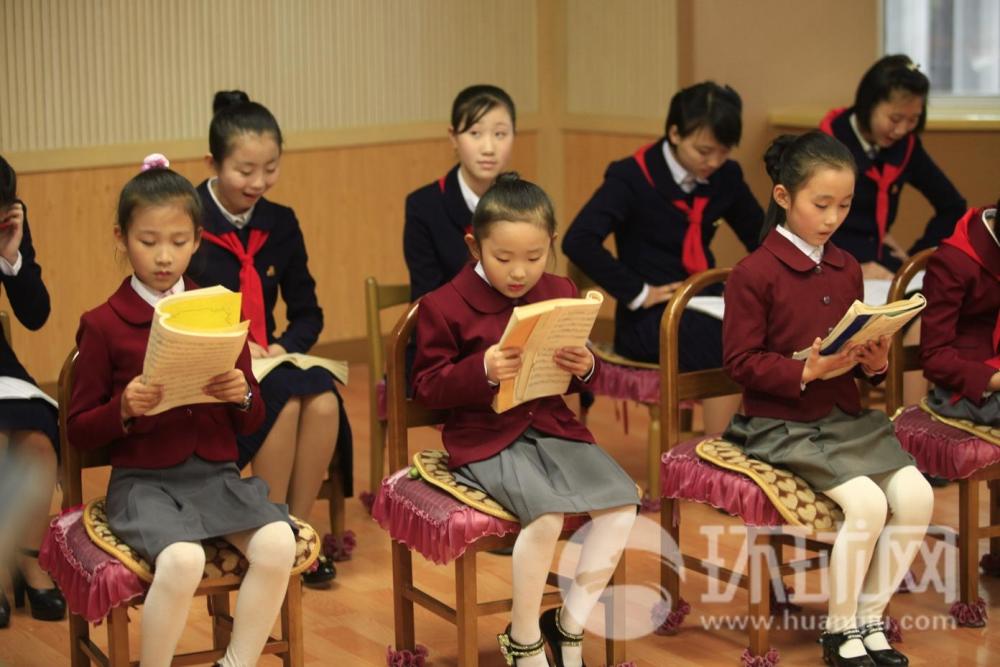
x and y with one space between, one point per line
432 466
940 449
623 379
982 431
223 562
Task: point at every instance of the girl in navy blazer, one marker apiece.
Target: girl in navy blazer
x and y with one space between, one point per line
535 459
256 247
438 215
960 329
662 205
174 479
882 131
784 297
28 418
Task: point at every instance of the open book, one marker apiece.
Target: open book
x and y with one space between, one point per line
540 329
195 336
862 323
264 365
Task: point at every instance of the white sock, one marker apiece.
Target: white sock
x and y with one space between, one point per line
530 563
178 571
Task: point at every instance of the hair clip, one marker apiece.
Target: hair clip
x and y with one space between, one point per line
155 161
912 66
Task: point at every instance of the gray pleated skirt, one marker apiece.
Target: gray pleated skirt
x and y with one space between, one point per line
152 508
539 474
988 413
825 452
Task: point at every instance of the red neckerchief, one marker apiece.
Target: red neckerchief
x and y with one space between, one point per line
250 285
960 240
693 249
884 179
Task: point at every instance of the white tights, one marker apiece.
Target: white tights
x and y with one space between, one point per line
870 556
532 558
270 550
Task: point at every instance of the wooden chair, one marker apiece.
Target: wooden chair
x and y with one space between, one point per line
943 451
83 651
404 414
765 535
378 298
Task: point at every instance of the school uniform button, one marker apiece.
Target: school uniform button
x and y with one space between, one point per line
189 412
826 300
818 269
829 330
531 413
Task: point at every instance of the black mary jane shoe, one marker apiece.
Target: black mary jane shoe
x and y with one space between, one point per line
555 636
511 650
888 656
47 604
831 643
321 577
4 611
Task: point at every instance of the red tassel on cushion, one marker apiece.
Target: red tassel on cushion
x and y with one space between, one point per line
367 499
769 659
406 658
338 548
667 621
970 614
893 630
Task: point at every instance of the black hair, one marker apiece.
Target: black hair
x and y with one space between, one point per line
156 187
791 160
234 114
889 74
8 183
474 102
707 104
513 199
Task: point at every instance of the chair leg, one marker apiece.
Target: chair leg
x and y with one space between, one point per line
336 498
653 452
376 457
79 632
291 624
759 591
117 622
995 515
670 577
614 616
466 609
218 608
402 583
968 540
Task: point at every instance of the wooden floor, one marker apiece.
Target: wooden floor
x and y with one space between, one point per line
351 623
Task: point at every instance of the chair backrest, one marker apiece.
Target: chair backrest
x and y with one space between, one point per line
403 413
378 298
674 385
73 460
902 358
5 327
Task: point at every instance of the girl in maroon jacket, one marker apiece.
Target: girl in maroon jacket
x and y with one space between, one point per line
961 324
535 459
174 481
785 297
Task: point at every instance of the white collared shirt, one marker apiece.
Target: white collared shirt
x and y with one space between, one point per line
470 197
813 252
870 150
151 296
238 221
9 269
989 220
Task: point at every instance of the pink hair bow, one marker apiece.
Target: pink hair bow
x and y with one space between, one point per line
155 161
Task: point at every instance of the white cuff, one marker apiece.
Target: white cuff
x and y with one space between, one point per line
486 372
9 269
636 303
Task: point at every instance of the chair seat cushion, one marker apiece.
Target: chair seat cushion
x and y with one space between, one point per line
687 476
97 572
431 465
942 450
624 379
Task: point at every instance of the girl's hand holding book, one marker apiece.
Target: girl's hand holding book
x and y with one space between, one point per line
275 350
139 398
229 387
874 355
576 360
11 231
256 351
502 364
817 365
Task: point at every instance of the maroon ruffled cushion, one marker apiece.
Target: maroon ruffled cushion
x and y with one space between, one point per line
684 476
92 581
434 524
628 384
941 450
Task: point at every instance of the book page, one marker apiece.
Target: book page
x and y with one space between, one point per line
264 365
184 359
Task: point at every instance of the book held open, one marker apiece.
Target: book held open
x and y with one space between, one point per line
264 365
862 323
195 335
540 329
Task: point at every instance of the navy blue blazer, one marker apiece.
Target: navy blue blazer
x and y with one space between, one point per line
437 219
28 299
281 264
859 233
649 231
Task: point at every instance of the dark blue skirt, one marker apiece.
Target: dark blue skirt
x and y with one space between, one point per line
30 414
277 389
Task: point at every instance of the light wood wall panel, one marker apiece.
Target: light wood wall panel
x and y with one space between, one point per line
107 72
621 57
348 200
